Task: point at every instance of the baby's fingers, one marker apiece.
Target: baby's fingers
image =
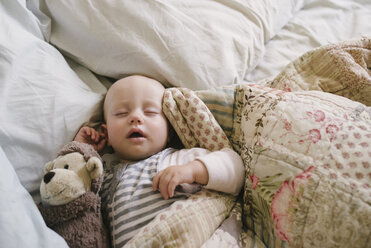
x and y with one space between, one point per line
95 136
102 135
163 184
101 144
156 180
160 183
92 135
87 131
171 187
90 132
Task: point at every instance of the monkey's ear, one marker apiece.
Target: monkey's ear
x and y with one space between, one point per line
48 166
95 167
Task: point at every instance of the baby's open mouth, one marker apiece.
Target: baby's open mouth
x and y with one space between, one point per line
136 135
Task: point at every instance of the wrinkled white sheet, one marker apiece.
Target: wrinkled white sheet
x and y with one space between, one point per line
43 101
196 43
318 23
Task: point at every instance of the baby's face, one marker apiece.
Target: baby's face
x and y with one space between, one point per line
136 125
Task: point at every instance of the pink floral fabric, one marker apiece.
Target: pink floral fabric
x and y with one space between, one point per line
285 201
305 153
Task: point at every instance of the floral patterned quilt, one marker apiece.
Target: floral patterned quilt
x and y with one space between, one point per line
308 160
307 154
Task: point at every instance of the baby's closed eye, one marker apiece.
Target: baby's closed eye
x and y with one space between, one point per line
151 112
121 113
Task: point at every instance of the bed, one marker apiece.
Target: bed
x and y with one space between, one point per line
287 82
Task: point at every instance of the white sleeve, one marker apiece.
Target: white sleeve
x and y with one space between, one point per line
225 167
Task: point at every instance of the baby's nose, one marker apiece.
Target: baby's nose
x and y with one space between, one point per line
136 117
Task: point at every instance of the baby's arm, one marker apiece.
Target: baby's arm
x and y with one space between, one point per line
221 170
90 136
226 171
166 180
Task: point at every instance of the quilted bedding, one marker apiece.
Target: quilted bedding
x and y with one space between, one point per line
307 153
307 156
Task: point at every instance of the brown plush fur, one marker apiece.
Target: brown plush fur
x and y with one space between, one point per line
85 149
79 222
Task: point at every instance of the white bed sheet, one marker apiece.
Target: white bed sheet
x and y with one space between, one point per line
318 23
43 102
197 44
21 224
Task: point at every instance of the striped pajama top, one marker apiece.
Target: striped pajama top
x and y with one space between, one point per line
128 201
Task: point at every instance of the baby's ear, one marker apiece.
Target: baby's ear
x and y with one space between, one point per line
48 166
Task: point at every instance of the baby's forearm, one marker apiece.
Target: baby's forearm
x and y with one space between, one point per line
222 171
225 169
200 172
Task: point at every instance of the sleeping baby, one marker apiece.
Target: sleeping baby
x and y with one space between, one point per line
143 175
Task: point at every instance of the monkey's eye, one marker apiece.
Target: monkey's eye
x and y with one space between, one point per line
66 166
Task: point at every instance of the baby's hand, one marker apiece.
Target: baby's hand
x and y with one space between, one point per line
167 179
90 136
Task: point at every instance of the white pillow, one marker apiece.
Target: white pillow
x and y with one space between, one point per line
194 43
42 101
